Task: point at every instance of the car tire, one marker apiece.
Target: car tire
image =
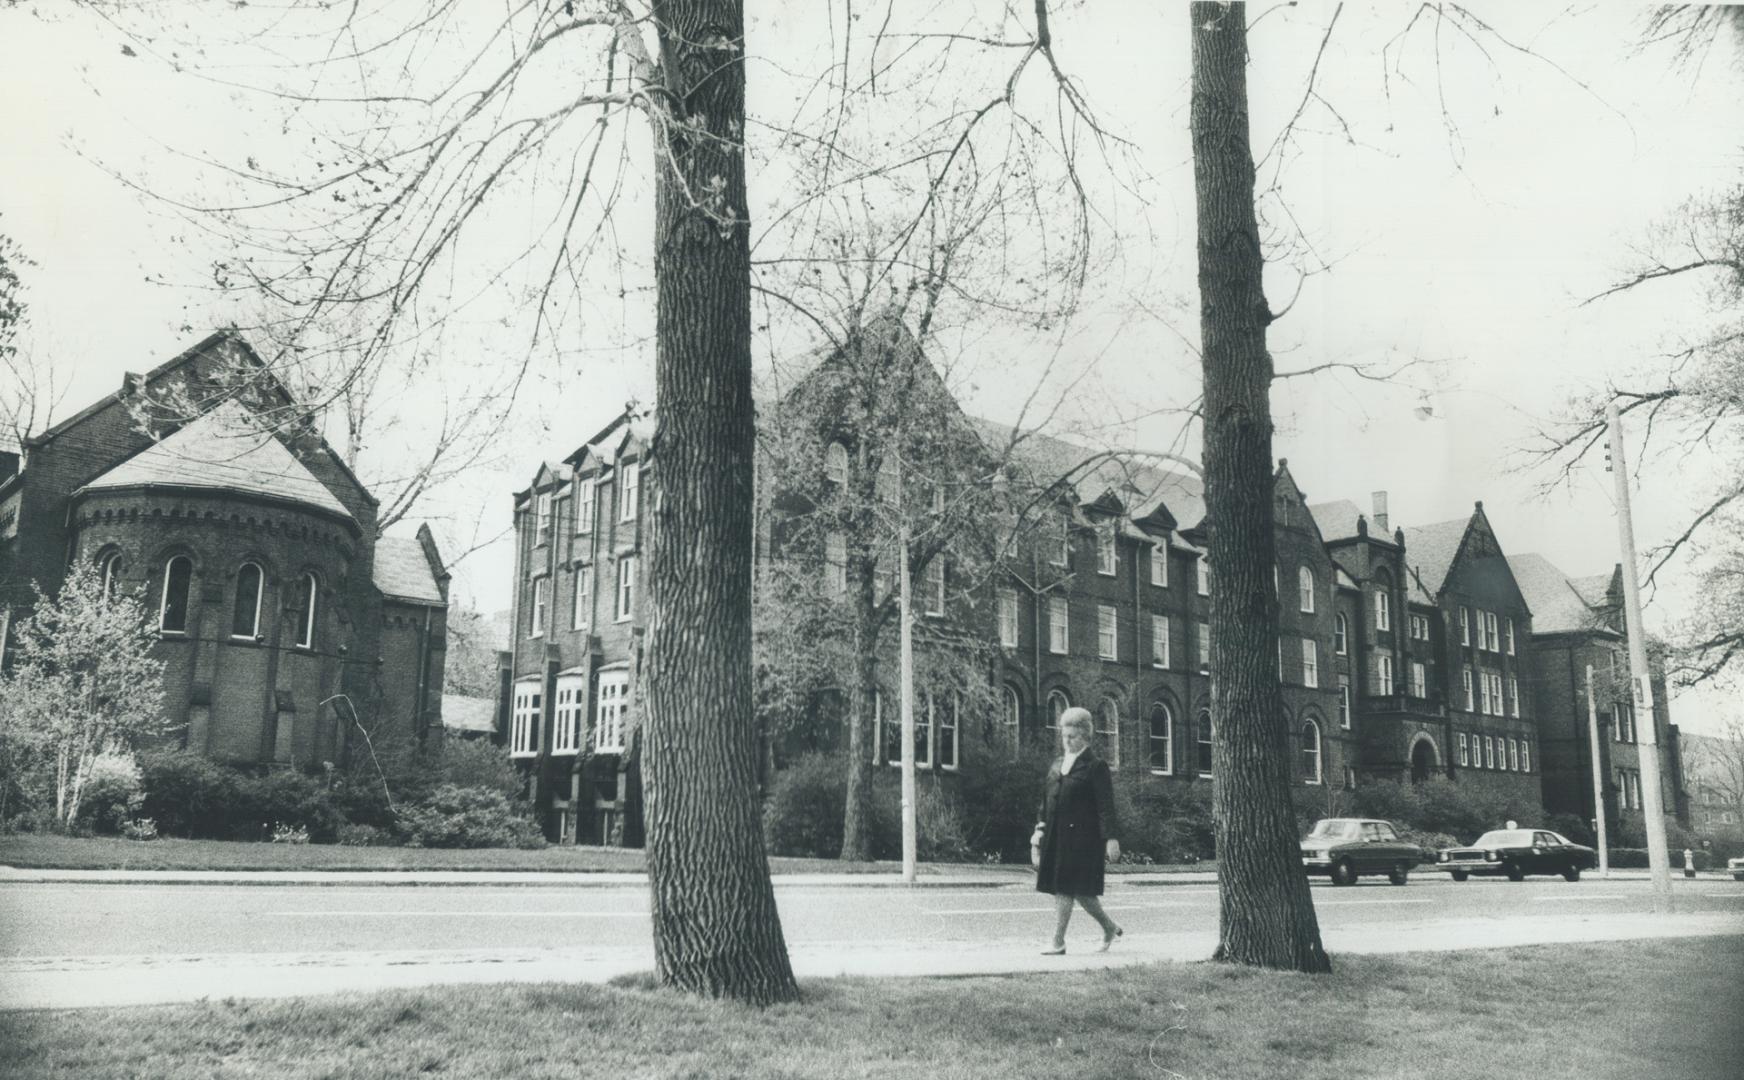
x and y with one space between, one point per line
1343 872
1571 873
1515 872
1399 874
1458 875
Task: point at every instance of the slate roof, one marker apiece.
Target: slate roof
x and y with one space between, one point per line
462 713
1559 604
402 571
1430 549
1336 520
224 450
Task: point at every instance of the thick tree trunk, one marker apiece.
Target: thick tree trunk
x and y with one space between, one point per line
1266 915
716 928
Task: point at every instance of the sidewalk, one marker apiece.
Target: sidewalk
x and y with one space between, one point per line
84 982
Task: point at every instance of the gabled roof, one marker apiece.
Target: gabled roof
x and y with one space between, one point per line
1336 520
1140 485
1559 604
1431 549
224 450
403 571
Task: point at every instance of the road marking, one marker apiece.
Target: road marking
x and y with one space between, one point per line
1727 895
1559 899
1035 910
468 914
1317 903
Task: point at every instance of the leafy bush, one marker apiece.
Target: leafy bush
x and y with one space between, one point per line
1439 805
363 836
289 799
139 829
289 834
1572 827
477 763
188 794
467 817
1000 800
112 792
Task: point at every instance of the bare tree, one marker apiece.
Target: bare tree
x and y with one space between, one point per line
28 392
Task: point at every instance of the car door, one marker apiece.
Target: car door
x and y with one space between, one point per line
1547 854
1375 854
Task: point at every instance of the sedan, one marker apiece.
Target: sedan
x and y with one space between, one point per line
1346 848
1514 853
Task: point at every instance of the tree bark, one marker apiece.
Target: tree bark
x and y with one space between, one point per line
1266 914
716 928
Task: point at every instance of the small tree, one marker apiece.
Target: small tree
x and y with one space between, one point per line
82 681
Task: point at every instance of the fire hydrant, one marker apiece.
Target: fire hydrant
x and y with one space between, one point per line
1689 863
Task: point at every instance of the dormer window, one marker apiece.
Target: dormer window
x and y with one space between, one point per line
1105 556
584 508
542 518
629 483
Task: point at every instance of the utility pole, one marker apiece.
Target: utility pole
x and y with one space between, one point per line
1598 778
1658 860
910 841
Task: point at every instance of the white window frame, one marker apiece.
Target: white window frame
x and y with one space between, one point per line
1465 683
1204 575
1305 589
611 706
1318 776
1485 704
1419 679
1496 693
1310 662
626 603
1056 697
259 596
1107 558
109 574
1108 709
1508 636
1159 641
1384 674
1205 735
1062 553
584 505
1167 739
935 581
163 604
1107 633
1204 647
1465 626
541 519
567 713
306 617
950 710
1160 564
1344 702
582 616
1059 626
1383 610
536 612
1513 754
923 734
1489 752
1525 756
1513 695
1341 635
629 490
1008 617
1464 750
836 463
525 718
1494 624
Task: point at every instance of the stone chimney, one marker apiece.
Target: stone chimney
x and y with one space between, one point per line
1380 501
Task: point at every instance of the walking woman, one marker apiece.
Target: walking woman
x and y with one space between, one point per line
1076 832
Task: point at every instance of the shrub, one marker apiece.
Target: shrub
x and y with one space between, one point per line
1165 823
1572 827
477 763
1000 801
802 815
188 794
467 817
289 834
363 836
139 829
942 830
112 792
290 799
1439 805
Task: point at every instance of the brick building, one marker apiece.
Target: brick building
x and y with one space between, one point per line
284 621
1578 626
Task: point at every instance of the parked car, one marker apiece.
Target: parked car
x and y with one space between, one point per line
1344 849
1514 853
1735 867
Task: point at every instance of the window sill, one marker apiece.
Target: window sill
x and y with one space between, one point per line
523 754
1160 665
1161 772
608 749
173 635
564 753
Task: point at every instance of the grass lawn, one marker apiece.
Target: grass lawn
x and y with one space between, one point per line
49 852
1666 1009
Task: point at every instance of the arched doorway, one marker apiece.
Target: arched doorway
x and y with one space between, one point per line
1423 759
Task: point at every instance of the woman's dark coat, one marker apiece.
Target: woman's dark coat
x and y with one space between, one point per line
1078 815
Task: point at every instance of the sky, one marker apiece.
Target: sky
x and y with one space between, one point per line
1454 194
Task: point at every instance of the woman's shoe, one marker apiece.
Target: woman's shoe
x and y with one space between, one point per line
1057 950
1109 939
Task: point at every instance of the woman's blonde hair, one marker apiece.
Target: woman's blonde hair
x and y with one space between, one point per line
1078 717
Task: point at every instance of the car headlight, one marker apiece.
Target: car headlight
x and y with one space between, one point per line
1489 856
1442 857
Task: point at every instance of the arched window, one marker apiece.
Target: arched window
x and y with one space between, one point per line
1162 739
245 615
836 463
1058 703
1010 711
109 574
1305 588
172 611
1108 726
307 590
1340 635
1204 746
1310 752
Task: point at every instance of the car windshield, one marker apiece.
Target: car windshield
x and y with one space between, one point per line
1333 829
1506 838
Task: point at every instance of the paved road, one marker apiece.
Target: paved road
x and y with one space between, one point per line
75 943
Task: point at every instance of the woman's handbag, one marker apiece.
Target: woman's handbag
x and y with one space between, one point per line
1035 847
